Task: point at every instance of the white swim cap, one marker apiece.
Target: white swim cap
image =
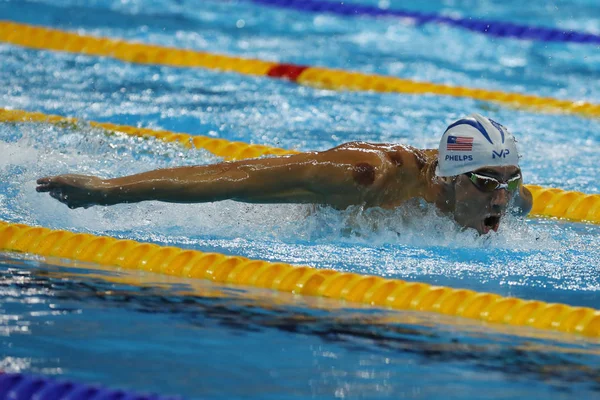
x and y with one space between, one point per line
475 142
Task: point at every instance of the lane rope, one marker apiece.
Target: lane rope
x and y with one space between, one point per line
229 150
483 26
367 289
547 202
52 39
15 386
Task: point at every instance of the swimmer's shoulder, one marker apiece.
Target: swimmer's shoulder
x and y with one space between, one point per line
416 169
396 158
411 159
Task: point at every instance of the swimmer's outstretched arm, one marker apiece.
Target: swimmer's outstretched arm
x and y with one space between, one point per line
340 177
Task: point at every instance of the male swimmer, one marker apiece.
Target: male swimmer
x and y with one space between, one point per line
473 176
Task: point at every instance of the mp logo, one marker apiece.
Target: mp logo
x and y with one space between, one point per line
502 154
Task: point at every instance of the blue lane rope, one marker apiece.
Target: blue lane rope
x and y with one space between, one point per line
488 27
24 387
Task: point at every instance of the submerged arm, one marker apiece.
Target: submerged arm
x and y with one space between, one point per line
523 201
339 177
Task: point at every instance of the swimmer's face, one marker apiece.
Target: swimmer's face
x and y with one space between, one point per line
480 209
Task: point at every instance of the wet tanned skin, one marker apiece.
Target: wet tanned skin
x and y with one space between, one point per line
355 173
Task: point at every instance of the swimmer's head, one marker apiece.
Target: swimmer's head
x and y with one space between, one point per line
479 161
475 142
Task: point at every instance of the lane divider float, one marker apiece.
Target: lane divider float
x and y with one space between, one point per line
53 39
486 27
15 386
366 289
220 147
547 202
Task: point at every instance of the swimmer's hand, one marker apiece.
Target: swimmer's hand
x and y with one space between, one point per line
74 190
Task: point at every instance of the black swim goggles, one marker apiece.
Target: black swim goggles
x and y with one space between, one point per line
489 184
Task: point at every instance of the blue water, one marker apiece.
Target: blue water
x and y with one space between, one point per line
428 52
149 332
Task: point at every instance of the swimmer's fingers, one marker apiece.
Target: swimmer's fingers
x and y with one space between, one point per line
48 183
45 184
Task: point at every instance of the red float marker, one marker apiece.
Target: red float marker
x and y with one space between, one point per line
286 71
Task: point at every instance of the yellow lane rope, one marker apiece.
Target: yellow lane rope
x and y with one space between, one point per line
569 205
373 290
270 298
547 202
220 147
54 39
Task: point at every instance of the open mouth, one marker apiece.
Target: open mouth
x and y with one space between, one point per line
491 223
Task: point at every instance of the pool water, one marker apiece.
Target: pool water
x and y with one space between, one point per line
155 333
173 336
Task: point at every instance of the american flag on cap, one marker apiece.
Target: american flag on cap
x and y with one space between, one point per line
459 143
